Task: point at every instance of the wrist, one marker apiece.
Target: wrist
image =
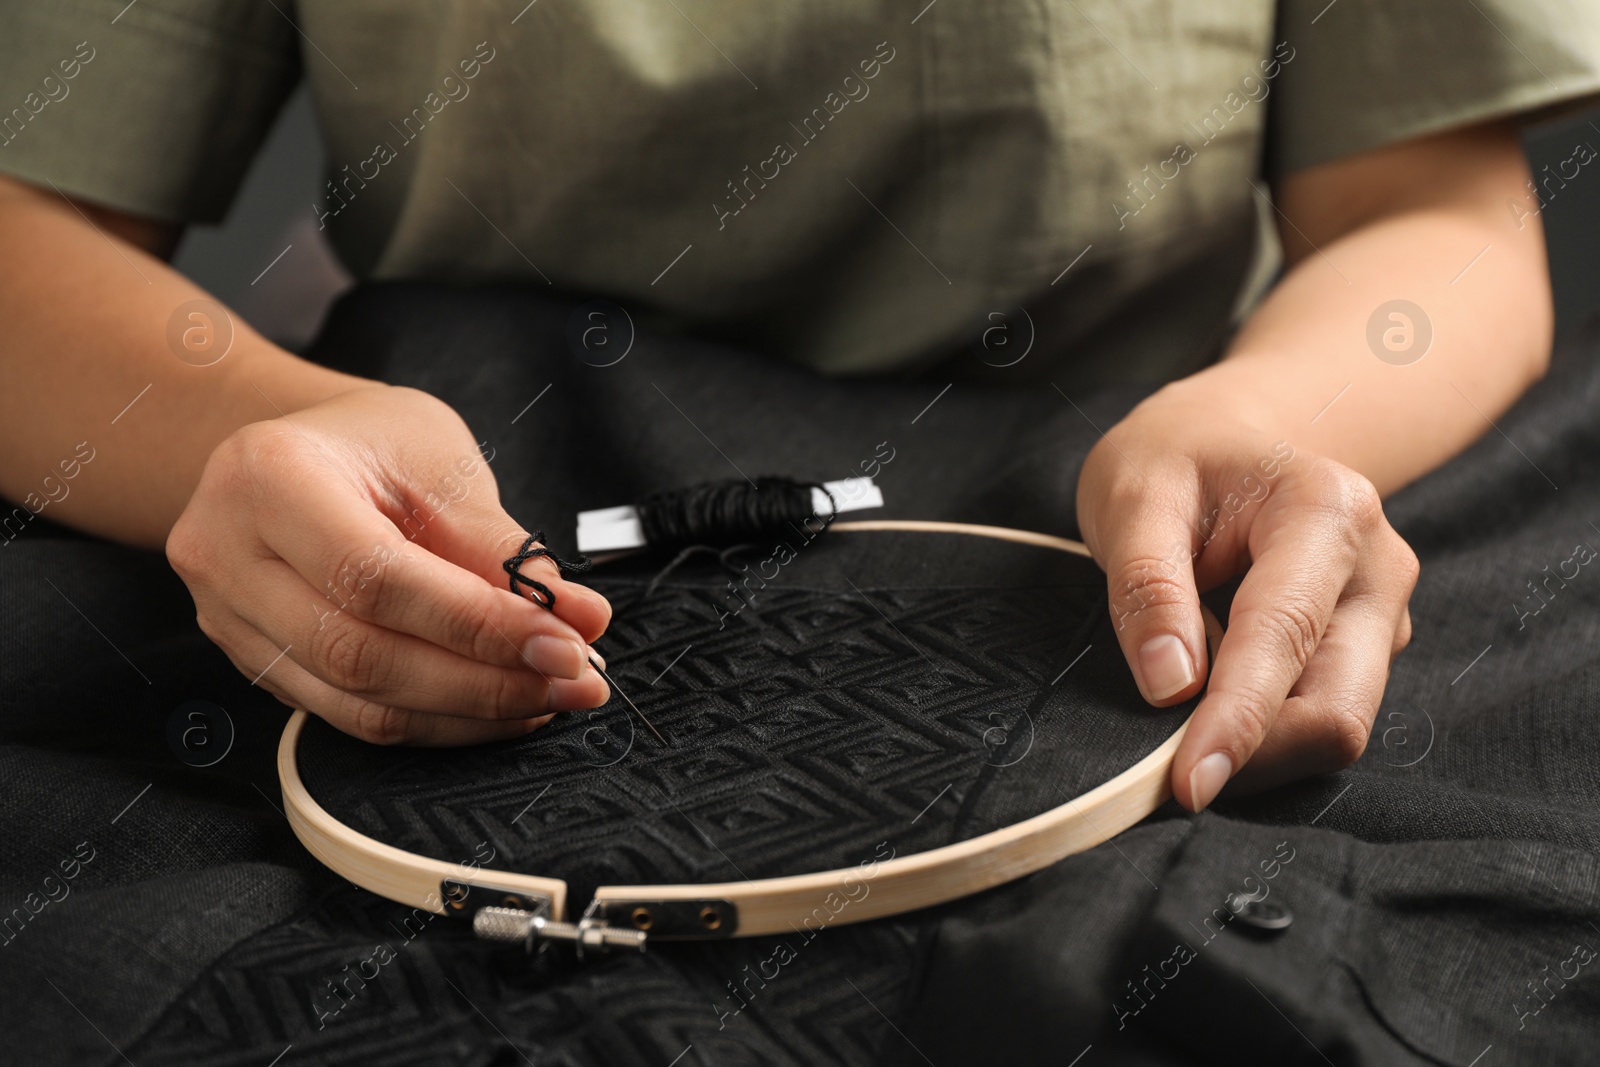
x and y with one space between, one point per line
1225 394
271 382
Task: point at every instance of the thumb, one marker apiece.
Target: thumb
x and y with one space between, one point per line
1155 606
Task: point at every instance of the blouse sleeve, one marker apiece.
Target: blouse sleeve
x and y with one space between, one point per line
153 107
1365 73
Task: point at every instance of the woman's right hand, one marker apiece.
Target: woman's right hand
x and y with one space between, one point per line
348 558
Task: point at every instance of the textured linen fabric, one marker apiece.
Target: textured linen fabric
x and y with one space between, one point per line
1442 890
808 734
855 186
259 970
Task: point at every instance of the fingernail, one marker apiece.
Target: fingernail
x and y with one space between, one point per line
1208 778
558 657
1165 665
597 657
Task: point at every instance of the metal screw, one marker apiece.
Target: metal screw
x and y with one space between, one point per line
511 925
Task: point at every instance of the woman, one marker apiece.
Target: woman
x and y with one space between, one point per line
860 189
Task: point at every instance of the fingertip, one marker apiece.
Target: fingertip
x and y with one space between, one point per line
584 609
589 691
1206 779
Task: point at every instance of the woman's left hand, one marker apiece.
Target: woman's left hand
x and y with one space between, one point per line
1181 496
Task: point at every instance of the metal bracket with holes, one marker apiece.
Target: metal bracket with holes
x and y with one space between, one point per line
511 915
673 920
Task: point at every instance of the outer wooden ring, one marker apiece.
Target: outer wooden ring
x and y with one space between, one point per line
872 890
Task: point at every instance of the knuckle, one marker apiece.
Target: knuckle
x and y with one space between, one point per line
506 694
1146 582
380 724
362 581
1253 711
232 454
1361 501
475 624
1410 567
208 626
1349 495
262 444
188 549
481 628
1293 626
507 540
249 456
1402 635
1119 492
243 467
1107 486
1346 729
352 656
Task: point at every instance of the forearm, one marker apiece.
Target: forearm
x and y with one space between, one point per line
86 335
1304 369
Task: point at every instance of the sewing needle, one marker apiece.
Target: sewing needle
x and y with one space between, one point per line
629 699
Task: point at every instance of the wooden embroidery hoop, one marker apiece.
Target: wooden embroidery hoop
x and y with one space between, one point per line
527 908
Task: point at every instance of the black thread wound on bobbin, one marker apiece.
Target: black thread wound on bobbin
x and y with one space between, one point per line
538 592
727 513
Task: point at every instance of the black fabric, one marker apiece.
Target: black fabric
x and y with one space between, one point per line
805 732
1429 885
1445 889
100 651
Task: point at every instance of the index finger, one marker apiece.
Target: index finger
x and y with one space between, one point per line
358 559
1278 617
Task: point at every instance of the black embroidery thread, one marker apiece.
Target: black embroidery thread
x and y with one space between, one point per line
683 557
725 513
538 592
543 596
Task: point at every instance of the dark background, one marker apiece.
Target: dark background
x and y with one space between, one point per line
1571 220
288 301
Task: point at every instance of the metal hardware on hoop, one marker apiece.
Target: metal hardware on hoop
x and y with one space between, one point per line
511 925
708 919
510 916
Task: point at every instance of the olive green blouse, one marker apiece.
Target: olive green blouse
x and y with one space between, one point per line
1074 187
